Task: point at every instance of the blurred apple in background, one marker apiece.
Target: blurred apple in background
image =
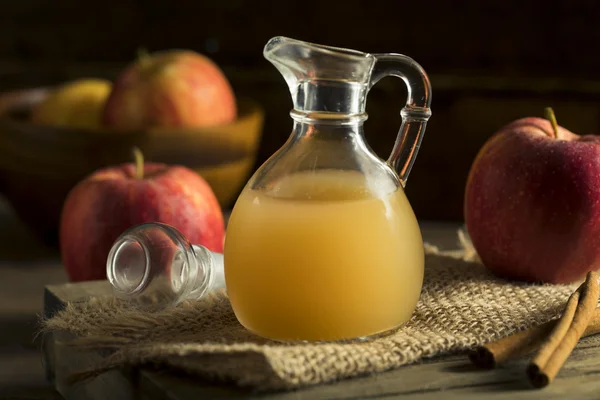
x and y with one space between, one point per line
76 104
174 88
532 202
177 105
111 200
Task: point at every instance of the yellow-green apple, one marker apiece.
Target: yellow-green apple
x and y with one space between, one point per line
174 88
111 200
76 104
532 202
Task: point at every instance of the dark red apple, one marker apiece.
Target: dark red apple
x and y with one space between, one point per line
175 88
111 200
532 202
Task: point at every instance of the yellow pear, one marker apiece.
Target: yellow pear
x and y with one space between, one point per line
76 104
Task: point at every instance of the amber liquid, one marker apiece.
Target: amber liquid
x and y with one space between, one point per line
319 258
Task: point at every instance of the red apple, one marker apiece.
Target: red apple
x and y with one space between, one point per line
111 200
532 202
175 88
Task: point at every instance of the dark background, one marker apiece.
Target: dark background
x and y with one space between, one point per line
489 61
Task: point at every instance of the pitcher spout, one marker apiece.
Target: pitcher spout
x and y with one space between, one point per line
322 78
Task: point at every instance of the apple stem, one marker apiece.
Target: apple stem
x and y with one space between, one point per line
143 55
549 113
139 163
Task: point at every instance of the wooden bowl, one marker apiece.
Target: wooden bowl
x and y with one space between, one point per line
40 164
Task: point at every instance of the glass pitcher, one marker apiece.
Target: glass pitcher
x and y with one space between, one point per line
322 243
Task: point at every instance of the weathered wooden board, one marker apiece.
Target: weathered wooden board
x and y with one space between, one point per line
450 377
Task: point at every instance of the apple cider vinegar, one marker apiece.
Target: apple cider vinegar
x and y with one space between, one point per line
322 244
318 256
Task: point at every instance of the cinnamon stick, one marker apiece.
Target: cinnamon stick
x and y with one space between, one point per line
522 343
566 333
492 354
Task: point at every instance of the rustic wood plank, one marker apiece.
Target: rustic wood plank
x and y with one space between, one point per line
59 360
451 376
56 296
116 384
62 360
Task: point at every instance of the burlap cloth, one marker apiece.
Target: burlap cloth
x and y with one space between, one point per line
461 305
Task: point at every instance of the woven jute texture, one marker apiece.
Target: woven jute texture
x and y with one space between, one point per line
461 305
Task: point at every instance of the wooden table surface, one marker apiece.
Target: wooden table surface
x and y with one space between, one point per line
448 377
26 268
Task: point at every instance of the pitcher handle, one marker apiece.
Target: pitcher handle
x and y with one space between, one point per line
414 115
